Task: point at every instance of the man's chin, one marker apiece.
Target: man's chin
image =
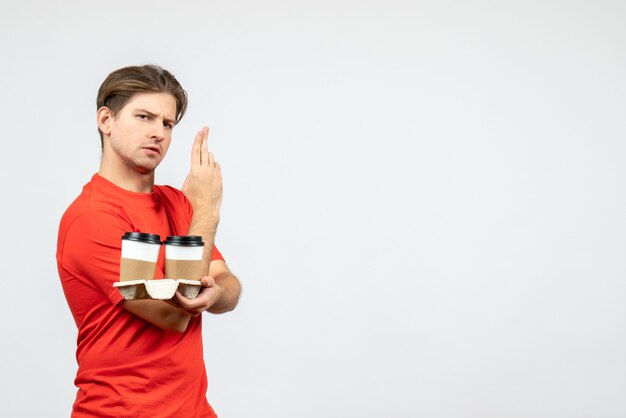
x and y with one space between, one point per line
144 164
146 167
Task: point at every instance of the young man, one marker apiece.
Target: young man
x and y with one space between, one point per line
141 358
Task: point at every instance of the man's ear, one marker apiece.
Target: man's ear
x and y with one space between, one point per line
103 118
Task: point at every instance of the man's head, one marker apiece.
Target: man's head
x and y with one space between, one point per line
121 85
137 110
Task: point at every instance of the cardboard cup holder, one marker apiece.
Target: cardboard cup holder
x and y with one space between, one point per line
161 289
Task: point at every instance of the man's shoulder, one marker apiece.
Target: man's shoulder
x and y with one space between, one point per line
164 188
79 206
176 204
89 204
171 194
87 216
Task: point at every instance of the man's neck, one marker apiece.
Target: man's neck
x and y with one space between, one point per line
127 178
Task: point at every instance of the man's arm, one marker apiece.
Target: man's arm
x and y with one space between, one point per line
220 293
92 253
203 189
159 313
231 288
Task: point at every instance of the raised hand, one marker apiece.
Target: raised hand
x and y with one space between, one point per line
203 185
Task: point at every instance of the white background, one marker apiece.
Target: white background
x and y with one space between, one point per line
423 199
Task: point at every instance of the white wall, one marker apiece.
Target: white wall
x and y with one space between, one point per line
423 200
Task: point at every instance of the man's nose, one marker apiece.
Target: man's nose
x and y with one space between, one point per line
158 130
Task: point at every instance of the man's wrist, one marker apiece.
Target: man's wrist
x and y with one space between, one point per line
207 213
205 224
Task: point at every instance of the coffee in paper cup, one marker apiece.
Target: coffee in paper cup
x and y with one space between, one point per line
140 253
183 257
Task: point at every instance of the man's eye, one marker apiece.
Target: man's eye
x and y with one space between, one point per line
143 116
167 125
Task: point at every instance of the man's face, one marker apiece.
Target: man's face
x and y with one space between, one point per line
141 132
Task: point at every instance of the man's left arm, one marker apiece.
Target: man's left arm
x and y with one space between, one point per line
220 292
203 189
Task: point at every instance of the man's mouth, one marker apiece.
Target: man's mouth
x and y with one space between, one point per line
153 148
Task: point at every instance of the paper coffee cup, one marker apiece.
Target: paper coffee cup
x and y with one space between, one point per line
140 253
183 257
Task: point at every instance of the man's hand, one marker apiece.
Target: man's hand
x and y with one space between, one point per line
208 296
203 185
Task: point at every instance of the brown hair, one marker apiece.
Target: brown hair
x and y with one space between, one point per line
121 85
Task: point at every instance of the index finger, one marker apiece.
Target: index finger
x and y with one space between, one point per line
204 150
196 150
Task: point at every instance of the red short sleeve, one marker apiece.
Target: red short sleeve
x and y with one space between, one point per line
92 249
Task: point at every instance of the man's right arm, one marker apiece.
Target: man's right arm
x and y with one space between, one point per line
159 313
93 253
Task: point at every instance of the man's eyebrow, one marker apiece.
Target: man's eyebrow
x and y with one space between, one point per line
170 121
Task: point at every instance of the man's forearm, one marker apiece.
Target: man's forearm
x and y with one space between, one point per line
206 227
159 313
231 289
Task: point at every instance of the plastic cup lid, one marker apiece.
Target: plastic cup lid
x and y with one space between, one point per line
185 240
141 237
